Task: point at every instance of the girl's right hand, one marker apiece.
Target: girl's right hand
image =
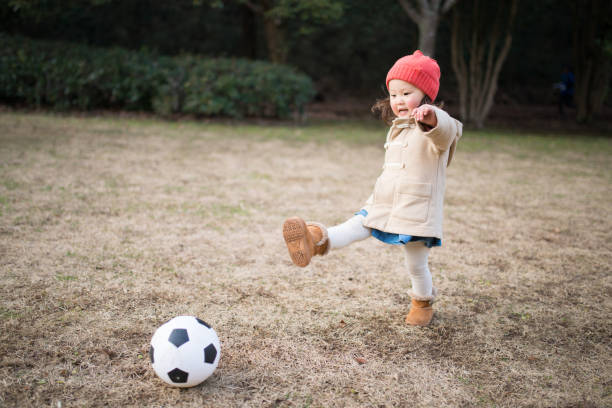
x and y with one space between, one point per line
425 114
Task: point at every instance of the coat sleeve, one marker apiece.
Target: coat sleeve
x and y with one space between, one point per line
443 135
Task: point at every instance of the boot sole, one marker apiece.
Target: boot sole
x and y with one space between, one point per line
295 234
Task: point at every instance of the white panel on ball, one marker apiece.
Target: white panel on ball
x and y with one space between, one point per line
185 351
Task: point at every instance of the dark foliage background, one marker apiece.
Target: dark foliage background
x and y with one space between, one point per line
67 76
348 56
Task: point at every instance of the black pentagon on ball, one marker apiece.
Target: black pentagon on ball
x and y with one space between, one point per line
151 351
178 376
210 353
178 337
203 322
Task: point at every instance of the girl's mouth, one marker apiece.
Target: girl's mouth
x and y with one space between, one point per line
403 112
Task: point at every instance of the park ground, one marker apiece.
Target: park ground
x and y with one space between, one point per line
111 226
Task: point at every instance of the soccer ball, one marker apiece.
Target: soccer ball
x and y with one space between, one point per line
184 351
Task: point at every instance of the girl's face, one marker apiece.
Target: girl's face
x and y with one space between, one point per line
404 97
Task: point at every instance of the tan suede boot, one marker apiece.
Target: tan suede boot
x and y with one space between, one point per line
421 311
304 240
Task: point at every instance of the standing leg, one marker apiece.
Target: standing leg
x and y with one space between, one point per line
423 292
416 254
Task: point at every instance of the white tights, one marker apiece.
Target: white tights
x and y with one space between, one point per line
415 253
348 232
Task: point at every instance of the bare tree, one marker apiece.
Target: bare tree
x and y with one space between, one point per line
274 31
426 15
275 14
480 42
593 56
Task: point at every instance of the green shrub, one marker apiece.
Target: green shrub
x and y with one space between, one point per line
68 76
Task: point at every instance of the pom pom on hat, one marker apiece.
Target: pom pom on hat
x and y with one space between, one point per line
418 69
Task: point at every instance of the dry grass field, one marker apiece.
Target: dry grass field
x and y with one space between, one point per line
110 227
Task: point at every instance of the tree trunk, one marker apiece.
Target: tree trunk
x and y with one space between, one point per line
428 27
484 40
491 78
600 92
459 66
592 64
249 33
426 15
581 95
275 40
273 28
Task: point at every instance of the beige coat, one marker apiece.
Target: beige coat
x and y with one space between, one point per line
408 196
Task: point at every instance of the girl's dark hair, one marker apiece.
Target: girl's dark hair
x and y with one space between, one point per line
382 108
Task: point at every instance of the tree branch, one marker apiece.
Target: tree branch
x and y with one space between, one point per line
500 61
473 61
410 10
493 39
448 4
254 7
458 63
498 64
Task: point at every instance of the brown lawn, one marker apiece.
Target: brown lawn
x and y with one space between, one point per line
110 227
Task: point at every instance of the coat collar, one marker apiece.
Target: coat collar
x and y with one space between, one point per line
404 122
400 124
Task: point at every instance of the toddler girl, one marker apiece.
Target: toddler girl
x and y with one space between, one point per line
405 208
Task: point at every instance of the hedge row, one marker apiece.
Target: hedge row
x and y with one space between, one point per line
69 76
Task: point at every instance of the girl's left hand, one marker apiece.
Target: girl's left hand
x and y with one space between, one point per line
425 114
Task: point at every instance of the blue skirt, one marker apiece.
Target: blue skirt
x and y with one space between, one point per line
401 239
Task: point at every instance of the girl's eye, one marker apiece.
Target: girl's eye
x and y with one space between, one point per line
406 93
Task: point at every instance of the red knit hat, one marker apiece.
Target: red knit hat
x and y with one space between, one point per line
418 69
